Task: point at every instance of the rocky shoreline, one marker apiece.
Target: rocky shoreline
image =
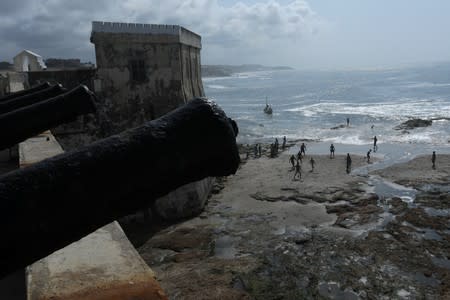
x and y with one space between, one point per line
328 236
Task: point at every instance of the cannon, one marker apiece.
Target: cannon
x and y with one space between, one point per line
59 200
36 88
31 98
31 120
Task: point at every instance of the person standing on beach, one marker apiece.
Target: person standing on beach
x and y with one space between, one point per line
375 147
312 162
284 142
368 156
349 163
255 150
298 171
303 149
332 151
433 159
259 150
299 156
292 160
348 122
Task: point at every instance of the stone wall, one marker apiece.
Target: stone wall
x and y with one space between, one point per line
68 78
145 70
4 85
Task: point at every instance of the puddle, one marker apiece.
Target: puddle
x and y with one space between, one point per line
427 280
435 188
441 262
429 234
224 247
386 189
331 290
434 212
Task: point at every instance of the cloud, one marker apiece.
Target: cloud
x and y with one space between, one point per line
61 28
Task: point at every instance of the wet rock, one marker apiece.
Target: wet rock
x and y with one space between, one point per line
397 205
418 217
339 209
181 244
414 123
338 127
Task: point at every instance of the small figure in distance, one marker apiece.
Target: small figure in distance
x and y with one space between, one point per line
348 122
284 142
312 162
292 160
433 159
303 149
297 171
276 146
375 147
371 127
255 150
332 151
349 163
259 150
368 156
299 156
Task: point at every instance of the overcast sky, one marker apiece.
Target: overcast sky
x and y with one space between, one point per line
312 34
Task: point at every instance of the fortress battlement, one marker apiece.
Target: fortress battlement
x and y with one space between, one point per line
183 35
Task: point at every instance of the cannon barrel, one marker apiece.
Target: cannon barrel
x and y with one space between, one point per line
57 201
29 99
36 88
31 120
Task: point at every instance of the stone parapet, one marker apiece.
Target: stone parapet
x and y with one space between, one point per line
181 34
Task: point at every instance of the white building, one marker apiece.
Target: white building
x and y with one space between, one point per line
28 61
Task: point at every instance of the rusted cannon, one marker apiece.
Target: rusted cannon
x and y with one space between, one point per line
36 88
55 202
31 120
29 99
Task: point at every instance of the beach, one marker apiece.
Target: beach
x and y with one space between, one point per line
382 234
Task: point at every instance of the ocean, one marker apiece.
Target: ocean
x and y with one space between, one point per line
307 104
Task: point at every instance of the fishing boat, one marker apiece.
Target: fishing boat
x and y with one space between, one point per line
268 108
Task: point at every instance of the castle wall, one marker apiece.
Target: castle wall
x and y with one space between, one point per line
144 70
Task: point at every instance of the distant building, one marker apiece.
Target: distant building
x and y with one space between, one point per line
27 61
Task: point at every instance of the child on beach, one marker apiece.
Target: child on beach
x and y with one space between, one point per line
368 156
297 171
349 163
332 151
312 162
303 149
292 160
433 159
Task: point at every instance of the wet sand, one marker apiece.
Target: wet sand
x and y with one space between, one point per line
327 235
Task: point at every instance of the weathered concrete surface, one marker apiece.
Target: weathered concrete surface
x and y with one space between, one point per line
38 148
102 265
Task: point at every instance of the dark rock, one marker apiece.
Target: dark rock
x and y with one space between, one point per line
338 127
414 123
